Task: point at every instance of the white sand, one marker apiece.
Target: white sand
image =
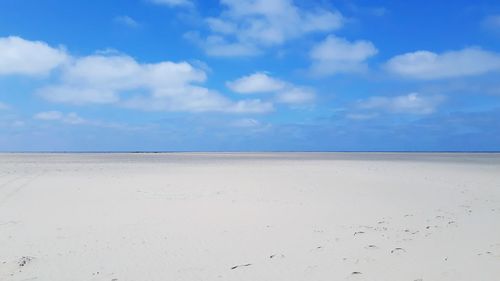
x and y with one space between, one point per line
159 217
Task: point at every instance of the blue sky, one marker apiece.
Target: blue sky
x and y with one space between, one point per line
225 75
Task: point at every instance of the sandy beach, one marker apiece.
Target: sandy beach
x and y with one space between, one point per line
250 216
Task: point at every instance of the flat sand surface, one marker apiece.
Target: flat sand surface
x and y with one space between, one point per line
250 216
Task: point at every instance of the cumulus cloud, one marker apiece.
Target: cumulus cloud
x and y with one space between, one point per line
113 78
258 82
412 103
250 106
120 80
261 82
199 101
337 55
245 27
173 3
69 118
427 65
23 57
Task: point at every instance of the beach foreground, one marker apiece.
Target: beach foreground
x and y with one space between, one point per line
289 216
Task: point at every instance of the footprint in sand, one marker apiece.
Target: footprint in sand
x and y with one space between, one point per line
241 265
398 250
24 261
411 232
273 256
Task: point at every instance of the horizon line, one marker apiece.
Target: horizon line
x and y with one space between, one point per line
248 151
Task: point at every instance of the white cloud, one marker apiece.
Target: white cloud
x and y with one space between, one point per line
127 21
261 82
173 3
245 27
198 100
427 65
69 118
121 80
250 106
73 118
48 115
412 103
337 55
258 82
76 95
19 56
121 72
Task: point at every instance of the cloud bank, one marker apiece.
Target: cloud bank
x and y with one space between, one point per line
425 65
69 118
261 82
246 27
338 55
23 57
120 80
